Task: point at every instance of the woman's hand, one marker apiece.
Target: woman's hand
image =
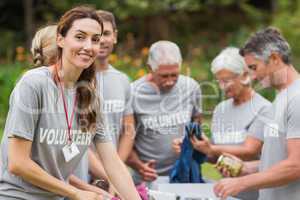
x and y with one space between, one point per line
203 145
226 172
86 195
112 191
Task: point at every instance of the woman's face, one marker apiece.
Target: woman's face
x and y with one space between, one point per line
81 44
229 82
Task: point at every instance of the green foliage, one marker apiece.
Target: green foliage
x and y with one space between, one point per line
6 50
287 20
9 74
200 27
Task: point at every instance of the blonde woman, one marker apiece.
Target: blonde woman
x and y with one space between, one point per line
43 46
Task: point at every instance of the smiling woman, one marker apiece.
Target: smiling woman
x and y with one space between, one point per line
42 144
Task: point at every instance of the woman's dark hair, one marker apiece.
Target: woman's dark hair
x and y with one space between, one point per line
88 103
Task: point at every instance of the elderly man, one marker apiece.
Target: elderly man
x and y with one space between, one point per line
267 54
163 102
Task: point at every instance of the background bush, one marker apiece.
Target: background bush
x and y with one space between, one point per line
200 27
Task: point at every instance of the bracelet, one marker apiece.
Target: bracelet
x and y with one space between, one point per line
101 184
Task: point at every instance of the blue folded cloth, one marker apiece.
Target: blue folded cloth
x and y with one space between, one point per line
187 168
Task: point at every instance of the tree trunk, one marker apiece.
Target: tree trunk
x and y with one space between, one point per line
28 21
158 28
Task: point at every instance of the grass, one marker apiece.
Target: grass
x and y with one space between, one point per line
210 172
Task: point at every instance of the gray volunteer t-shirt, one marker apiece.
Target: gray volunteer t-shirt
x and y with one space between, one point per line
114 92
36 114
231 124
82 169
114 87
281 124
161 117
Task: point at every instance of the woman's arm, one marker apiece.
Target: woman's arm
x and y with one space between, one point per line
21 164
117 171
95 166
80 184
249 150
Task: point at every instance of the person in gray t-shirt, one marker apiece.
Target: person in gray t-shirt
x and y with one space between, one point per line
114 92
267 55
233 119
114 89
163 103
117 108
42 144
44 52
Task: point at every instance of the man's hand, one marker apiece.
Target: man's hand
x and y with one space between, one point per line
203 145
176 145
229 187
147 171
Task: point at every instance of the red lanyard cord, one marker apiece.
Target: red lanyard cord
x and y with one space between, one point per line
69 122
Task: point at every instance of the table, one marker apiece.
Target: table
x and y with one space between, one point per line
199 191
161 189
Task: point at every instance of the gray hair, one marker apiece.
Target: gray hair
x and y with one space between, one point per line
265 42
164 53
229 59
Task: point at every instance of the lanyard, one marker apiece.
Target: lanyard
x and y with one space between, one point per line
69 122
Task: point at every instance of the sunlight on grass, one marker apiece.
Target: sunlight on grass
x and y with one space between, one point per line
210 172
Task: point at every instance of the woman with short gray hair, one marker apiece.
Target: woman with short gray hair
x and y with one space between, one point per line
234 129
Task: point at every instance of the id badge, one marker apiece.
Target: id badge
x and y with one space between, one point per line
70 151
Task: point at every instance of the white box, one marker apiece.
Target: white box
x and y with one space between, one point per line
199 191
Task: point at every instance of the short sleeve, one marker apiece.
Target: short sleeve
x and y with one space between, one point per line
128 99
293 116
132 97
197 100
256 129
102 135
214 124
24 110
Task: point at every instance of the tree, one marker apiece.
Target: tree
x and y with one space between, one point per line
28 20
